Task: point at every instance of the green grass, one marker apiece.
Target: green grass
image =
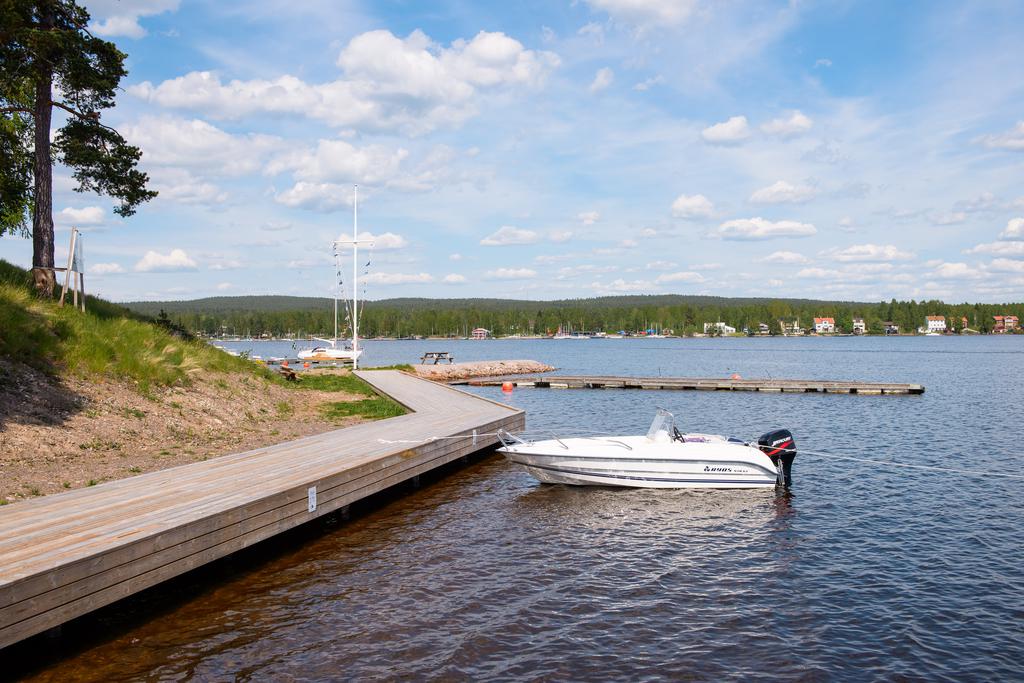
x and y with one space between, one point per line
402 366
107 340
371 408
325 382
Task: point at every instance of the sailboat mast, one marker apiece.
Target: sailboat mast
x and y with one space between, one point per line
355 277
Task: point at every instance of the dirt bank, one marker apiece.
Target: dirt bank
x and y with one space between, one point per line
483 368
68 433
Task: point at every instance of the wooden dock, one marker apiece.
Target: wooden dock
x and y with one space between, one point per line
64 555
796 386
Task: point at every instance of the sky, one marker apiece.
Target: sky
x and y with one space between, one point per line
564 148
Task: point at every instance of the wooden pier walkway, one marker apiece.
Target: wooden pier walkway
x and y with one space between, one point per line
64 555
701 384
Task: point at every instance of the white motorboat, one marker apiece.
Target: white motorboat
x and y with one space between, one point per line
664 458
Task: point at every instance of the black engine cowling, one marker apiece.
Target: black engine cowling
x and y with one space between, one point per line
779 445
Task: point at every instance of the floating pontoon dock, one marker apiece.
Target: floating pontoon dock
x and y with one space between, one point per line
797 386
64 555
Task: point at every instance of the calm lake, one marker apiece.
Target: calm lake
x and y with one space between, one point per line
868 571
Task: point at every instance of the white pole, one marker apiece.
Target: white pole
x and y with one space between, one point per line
355 277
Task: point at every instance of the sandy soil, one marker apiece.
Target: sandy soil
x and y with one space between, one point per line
58 435
485 368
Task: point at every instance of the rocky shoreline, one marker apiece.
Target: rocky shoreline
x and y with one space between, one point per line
448 372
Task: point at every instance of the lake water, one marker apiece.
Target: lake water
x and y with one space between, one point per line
866 572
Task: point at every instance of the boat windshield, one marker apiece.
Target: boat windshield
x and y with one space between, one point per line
661 426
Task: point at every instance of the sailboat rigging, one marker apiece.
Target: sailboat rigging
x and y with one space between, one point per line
332 352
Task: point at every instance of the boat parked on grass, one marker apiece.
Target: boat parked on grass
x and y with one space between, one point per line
663 458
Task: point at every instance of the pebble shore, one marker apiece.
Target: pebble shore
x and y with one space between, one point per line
485 368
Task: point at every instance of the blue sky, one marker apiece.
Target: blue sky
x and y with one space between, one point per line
838 150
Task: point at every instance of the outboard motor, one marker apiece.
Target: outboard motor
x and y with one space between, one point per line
780 447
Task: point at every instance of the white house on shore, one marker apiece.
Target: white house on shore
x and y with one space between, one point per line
935 323
824 325
859 327
480 333
719 328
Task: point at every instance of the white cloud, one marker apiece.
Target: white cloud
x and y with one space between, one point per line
1012 139
511 274
389 83
508 234
649 83
111 18
1005 265
621 285
178 185
455 257
645 13
628 244
1014 230
957 271
998 249
225 264
682 276
868 253
782 192
106 268
661 265
648 233
317 196
88 215
224 286
588 217
560 235
728 132
785 257
986 201
692 206
175 260
196 144
824 61
793 125
761 229
846 224
602 79
337 161
453 279
819 274
399 278
948 218
382 242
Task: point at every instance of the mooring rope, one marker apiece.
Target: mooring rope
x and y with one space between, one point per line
932 468
800 451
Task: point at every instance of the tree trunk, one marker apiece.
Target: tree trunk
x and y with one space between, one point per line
42 214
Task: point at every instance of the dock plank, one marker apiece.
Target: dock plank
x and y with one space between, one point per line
64 555
816 386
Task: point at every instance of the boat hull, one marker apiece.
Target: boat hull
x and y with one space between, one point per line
630 462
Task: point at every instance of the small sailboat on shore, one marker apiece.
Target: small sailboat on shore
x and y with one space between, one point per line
348 351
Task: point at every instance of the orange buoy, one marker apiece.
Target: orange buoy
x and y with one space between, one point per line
306 364
284 363
506 387
736 375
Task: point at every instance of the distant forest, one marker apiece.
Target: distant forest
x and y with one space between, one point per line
681 314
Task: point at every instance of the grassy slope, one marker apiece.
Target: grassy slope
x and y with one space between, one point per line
106 341
109 341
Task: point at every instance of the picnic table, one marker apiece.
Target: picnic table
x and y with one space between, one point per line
437 357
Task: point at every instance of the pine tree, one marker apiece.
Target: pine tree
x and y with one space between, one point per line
43 44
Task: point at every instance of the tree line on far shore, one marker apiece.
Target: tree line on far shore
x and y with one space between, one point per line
675 314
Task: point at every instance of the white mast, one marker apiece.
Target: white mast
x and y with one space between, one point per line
355 277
